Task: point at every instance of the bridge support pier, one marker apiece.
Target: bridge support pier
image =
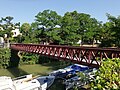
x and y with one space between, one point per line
14 59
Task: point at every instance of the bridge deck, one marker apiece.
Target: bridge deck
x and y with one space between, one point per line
89 56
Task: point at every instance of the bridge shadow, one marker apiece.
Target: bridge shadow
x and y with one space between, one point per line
14 58
16 72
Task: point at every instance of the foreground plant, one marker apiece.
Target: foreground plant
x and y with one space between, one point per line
108 76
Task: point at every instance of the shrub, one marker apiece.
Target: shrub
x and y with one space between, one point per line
108 76
28 58
4 57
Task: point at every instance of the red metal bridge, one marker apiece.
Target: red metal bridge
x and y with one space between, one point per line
89 56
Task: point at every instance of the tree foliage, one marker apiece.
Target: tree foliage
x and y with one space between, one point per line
47 23
78 26
115 29
26 33
69 26
7 26
49 27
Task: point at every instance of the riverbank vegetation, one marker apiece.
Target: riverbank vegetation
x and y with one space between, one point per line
108 76
4 57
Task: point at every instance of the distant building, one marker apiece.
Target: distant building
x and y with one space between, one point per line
79 42
1 28
1 42
15 32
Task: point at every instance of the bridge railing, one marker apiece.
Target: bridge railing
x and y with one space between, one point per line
89 56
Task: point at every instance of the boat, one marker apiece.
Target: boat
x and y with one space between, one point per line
26 82
78 81
68 71
62 73
78 67
6 83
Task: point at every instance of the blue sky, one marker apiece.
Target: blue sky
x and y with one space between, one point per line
26 10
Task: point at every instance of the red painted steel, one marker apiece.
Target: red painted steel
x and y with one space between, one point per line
89 56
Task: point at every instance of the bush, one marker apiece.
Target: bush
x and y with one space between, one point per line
4 57
108 76
28 58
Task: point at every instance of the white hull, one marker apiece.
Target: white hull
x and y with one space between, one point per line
26 83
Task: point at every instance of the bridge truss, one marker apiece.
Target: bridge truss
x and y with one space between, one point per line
89 56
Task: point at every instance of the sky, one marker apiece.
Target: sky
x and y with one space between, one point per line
25 10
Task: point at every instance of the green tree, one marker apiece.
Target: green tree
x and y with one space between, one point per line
107 36
115 28
89 28
110 35
76 26
25 28
26 33
7 26
69 26
47 26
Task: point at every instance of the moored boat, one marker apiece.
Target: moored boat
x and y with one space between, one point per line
81 80
68 71
26 82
